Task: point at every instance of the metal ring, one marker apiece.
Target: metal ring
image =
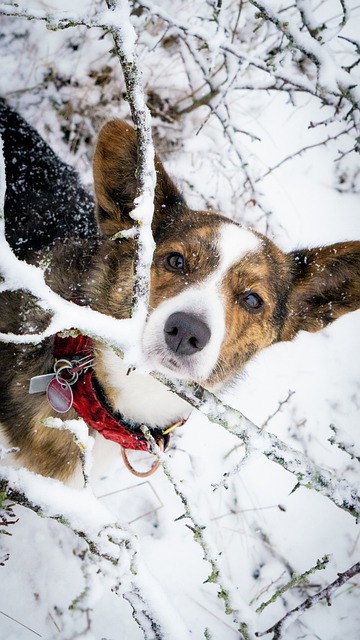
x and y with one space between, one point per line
65 367
61 364
142 474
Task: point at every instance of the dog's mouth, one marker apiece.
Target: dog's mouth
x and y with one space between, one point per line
181 367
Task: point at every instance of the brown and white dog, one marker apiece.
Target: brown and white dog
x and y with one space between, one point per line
219 293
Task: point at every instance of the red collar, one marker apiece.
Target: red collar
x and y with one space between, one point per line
87 400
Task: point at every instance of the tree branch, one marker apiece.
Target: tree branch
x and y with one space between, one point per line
239 612
75 509
307 473
124 37
332 83
295 581
325 594
116 21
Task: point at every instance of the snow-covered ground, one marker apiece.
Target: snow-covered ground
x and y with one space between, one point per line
260 532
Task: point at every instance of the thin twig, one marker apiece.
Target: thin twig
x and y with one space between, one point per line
278 409
325 594
200 535
294 582
307 473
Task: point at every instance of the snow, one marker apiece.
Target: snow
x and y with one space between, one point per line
258 529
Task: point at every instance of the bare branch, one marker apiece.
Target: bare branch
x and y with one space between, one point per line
120 27
307 473
332 83
308 147
240 614
280 405
325 594
110 542
295 581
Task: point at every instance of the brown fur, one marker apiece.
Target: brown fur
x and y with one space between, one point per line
325 285
302 290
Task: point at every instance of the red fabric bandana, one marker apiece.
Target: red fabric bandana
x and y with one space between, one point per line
86 401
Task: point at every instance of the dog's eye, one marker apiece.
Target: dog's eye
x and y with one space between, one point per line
251 302
174 262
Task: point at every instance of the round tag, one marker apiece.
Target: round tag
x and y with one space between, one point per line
59 395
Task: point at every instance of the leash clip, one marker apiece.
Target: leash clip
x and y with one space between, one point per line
173 426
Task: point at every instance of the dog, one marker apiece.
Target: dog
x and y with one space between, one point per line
219 294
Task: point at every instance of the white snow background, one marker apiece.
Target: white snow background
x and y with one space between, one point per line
66 83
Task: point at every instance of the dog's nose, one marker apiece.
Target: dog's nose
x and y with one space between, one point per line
186 334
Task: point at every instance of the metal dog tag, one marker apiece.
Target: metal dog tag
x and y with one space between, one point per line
59 395
40 383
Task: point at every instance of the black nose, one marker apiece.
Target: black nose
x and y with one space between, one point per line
186 334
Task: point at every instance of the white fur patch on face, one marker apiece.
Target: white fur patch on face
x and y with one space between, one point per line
203 300
141 398
234 243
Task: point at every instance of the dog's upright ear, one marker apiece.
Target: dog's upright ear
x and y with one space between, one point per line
325 284
115 164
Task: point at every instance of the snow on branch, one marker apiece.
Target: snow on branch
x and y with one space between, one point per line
124 36
307 473
17 274
112 549
331 80
333 85
281 627
234 607
77 509
115 20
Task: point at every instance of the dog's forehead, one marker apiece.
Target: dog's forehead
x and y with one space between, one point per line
233 243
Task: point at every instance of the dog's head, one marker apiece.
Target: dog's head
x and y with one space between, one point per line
219 292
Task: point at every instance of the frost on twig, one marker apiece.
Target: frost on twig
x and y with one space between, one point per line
280 627
238 610
295 581
344 442
307 473
116 21
77 509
